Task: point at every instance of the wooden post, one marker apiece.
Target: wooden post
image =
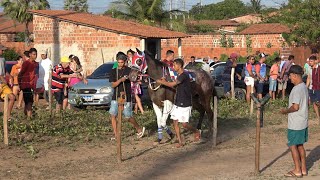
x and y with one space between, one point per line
121 101
251 105
50 90
232 83
5 121
258 131
215 121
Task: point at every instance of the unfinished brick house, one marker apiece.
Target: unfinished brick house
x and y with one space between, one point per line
94 39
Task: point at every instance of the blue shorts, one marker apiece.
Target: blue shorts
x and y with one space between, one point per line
127 112
314 95
272 84
260 88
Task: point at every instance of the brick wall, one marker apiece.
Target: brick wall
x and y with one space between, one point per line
7 38
209 45
89 44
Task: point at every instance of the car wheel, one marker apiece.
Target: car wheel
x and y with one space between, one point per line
78 107
240 94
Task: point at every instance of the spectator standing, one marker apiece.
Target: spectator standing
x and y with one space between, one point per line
274 73
284 76
313 84
130 54
261 68
45 66
169 58
192 63
205 65
181 110
16 88
27 80
226 76
4 88
306 68
60 75
297 122
250 75
121 84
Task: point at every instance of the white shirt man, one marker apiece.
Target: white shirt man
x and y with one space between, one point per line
45 66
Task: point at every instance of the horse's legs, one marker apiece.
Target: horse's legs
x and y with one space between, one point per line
158 112
201 110
208 109
167 108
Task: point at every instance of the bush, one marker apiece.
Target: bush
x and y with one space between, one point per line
270 58
224 57
10 55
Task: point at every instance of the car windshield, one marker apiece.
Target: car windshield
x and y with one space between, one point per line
218 70
102 72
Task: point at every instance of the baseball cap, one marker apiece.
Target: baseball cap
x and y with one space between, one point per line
262 55
2 47
65 59
233 55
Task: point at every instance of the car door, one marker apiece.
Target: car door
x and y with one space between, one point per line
217 73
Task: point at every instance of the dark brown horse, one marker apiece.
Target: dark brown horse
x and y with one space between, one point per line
162 97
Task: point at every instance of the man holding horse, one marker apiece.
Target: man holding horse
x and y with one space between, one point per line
121 84
181 111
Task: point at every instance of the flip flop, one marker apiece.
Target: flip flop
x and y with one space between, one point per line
292 174
304 174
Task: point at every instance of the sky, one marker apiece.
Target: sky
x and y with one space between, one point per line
99 6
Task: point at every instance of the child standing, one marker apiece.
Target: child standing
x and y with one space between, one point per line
183 101
274 73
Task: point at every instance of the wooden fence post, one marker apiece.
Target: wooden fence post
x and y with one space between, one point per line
5 121
215 121
232 83
251 105
50 90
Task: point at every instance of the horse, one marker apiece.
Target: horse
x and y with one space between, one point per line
162 97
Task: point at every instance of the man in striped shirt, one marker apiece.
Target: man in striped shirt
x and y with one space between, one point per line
60 75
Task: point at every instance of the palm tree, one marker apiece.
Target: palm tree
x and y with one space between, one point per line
256 5
144 11
76 5
18 10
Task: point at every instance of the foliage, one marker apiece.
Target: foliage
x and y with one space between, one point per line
223 39
230 42
144 11
248 44
303 17
20 37
10 55
269 45
199 28
270 58
242 27
226 9
18 10
224 57
76 5
255 6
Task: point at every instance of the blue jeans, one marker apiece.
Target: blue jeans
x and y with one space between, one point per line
226 86
127 112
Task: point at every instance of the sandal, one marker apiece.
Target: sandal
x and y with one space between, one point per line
140 134
292 174
197 136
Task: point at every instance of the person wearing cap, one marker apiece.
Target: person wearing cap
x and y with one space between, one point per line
284 77
261 69
313 84
27 80
226 76
45 66
60 75
122 85
297 132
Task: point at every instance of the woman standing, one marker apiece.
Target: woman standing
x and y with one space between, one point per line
16 89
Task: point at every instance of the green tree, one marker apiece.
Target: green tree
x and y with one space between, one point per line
18 11
223 10
145 11
303 17
76 5
223 39
256 5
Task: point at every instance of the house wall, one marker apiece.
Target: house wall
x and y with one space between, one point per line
89 44
209 45
7 38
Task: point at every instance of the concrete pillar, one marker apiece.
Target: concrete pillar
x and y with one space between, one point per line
142 44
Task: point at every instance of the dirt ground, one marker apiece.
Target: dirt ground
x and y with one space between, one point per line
233 158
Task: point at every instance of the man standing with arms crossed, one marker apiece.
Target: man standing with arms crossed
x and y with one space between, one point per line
297 122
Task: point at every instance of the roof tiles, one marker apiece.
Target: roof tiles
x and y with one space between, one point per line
270 28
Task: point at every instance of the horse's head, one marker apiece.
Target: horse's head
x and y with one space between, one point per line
138 66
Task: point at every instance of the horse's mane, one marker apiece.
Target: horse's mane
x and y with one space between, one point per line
157 61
